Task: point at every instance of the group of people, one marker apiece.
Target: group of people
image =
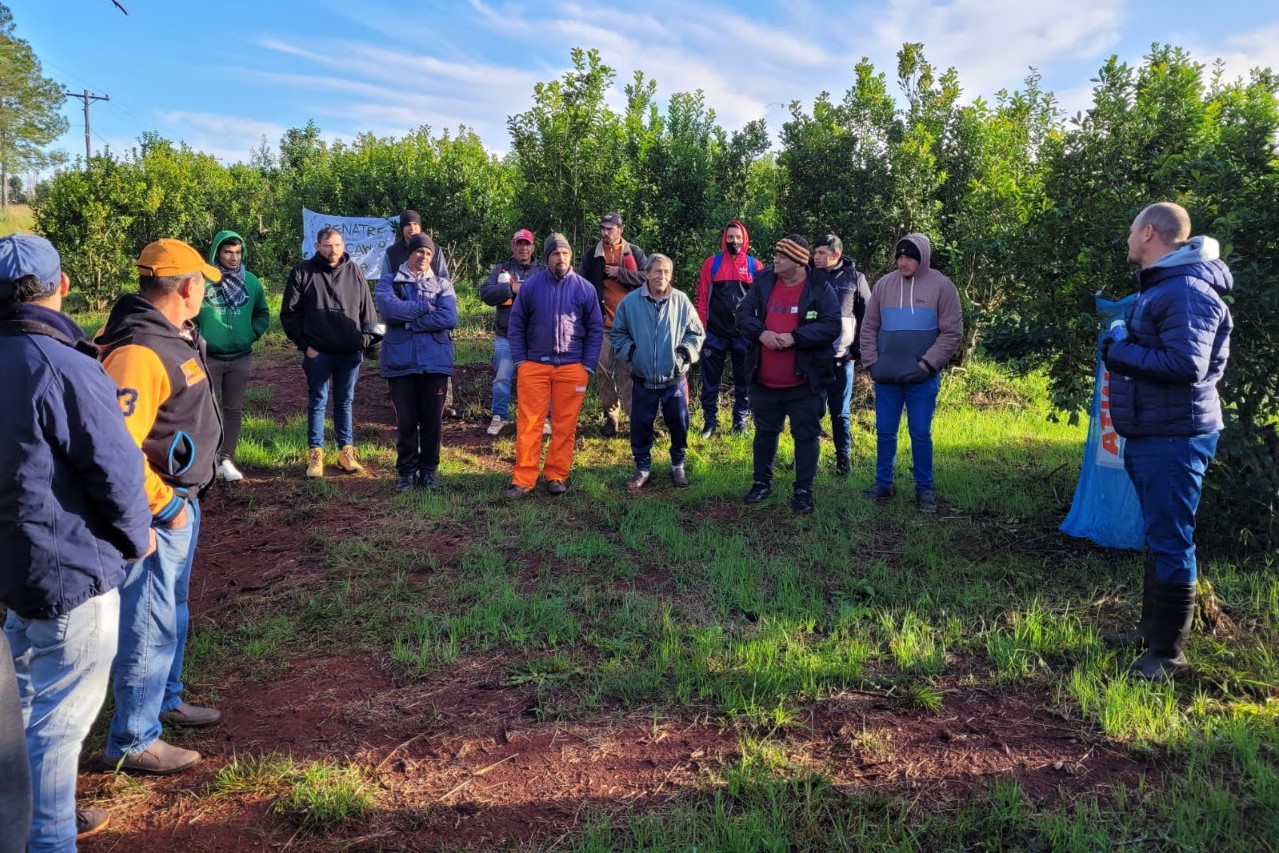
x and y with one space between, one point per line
109 444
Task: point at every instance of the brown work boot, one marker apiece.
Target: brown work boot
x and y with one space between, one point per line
315 462
159 759
347 461
191 716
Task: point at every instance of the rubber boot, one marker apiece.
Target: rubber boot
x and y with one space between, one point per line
1173 609
1136 637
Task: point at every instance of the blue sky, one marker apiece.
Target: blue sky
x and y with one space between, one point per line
222 75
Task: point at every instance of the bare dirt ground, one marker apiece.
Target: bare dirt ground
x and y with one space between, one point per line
461 760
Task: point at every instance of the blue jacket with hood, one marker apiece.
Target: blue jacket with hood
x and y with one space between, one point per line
1163 377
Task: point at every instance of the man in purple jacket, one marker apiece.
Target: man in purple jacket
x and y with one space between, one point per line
556 330
1174 353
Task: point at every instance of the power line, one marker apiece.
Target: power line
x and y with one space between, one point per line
86 97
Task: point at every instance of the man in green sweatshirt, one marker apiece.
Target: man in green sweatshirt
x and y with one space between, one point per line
234 315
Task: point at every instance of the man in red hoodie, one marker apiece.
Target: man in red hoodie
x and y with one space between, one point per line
721 286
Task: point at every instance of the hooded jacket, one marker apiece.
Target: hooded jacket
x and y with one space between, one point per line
500 295
909 320
661 338
420 311
167 399
722 283
1163 376
328 308
71 502
229 333
818 327
853 293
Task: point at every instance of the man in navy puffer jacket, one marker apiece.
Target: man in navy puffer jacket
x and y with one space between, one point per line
72 510
1163 399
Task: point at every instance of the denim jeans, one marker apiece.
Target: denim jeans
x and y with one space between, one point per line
147 679
343 369
503 374
919 400
714 353
771 407
838 398
672 402
63 666
1168 472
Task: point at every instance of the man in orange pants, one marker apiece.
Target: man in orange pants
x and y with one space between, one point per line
555 332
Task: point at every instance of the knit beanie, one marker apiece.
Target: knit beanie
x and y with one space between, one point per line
794 247
553 242
907 248
420 241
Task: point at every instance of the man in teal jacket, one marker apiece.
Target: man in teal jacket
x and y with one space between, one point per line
234 315
656 330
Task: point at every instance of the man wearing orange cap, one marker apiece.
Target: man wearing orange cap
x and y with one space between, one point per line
152 351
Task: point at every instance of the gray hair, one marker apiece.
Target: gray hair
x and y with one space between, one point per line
658 256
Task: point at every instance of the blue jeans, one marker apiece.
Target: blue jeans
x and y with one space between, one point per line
838 398
147 679
919 400
714 352
63 666
1168 473
503 374
672 402
343 369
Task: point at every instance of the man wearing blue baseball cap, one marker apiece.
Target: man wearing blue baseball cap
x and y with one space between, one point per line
72 510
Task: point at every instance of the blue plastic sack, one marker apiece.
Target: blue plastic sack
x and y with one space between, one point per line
1105 508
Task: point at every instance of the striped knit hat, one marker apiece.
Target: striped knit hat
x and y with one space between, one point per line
794 247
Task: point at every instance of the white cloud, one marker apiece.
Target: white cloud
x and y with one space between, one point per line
1246 51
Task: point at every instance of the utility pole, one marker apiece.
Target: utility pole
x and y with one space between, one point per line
86 97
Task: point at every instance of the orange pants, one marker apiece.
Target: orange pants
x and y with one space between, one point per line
564 389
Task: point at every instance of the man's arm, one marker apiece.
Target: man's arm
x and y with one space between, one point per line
1186 331
593 319
703 303
620 335
847 318
633 278
750 320
516 330
86 423
493 292
394 309
821 332
869 339
291 310
261 314
950 329
442 316
690 344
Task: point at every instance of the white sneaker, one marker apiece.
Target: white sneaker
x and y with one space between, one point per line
546 427
227 471
495 425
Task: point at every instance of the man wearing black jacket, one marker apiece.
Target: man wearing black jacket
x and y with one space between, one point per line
327 312
852 293
500 290
791 319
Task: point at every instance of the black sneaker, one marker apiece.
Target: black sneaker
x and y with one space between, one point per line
759 492
802 502
710 430
877 493
405 482
739 427
843 466
426 480
926 501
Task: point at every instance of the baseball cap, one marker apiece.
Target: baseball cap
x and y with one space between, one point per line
173 257
613 218
22 255
523 234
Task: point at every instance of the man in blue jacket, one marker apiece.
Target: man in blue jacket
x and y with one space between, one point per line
1175 351
657 331
72 510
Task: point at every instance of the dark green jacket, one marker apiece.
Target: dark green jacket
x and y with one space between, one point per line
229 333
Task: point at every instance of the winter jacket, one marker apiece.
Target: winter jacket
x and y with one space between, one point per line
556 321
1163 376
722 283
167 399
500 295
72 507
853 293
661 338
818 327
909 320
592 268
328 308
229 333
420 311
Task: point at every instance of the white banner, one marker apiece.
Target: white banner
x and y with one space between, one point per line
366 237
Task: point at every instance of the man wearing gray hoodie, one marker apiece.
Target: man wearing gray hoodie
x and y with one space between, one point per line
913 326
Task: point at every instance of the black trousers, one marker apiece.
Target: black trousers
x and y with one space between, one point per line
771 407
419 408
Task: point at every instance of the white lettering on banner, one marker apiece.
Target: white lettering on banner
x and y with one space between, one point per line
1110 449
366 237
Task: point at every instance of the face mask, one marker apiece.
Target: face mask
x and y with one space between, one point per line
733 248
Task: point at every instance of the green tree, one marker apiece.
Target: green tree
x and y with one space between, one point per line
30 107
